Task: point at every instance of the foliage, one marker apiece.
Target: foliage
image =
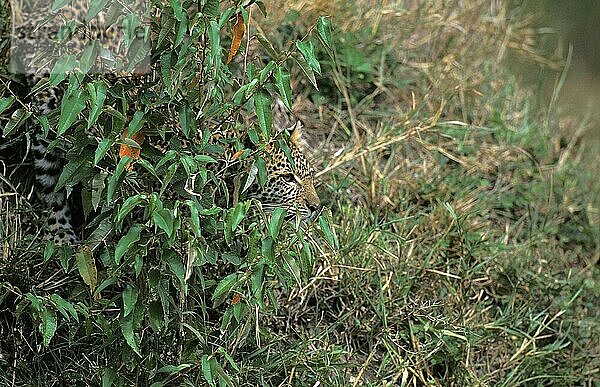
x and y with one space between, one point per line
175 273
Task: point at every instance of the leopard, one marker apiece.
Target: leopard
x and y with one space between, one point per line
290 182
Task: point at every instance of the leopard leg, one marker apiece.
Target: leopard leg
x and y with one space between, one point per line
48 166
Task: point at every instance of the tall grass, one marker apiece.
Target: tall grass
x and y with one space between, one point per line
465 204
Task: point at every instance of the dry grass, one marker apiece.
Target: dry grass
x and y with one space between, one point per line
466 214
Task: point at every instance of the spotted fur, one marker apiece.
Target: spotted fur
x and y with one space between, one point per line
290 181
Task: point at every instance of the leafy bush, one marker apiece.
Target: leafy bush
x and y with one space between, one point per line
182 272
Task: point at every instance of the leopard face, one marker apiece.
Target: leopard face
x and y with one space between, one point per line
290 182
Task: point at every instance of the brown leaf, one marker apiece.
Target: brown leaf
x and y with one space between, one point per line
126 150
239 29
237 154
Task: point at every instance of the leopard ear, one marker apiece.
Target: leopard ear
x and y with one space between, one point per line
296 134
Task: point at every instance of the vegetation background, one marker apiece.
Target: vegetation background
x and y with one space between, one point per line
456 145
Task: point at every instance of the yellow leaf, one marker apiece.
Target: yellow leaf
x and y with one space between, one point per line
87 266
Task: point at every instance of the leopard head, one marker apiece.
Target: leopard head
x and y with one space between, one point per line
290 179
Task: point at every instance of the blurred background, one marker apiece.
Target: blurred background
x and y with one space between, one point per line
565 26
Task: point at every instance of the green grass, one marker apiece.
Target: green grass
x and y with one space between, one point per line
465 212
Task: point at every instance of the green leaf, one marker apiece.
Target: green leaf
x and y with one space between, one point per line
170 155
262 105
48 250
282 80
240 93
48 325
100 234
223 288
224 379
257 280
267 45
324 32
5 103
168 177
268 248
176 267
116 178
130 297
262 7
36 302
59 4
251 177
155 313
171 369
307 258
181 31
308 52
187 121
76 170
88 56
17 119
127 330
72 104
164 220
97 189
177 9
277 219
204 159
101 150
226 15
61 68
327 232
262 171
206 371
165 68
95 7
65 306
232 258
137 52
293 268
136 124
306 69
108 377
194 217
45 124
130 25
215 44
97 91
239 212
167 22
266 71
87 266
128 205
229 359
212 8
125 243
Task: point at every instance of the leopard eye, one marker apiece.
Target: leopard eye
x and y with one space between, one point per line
289 177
